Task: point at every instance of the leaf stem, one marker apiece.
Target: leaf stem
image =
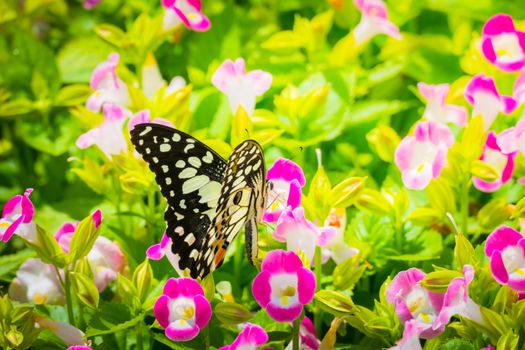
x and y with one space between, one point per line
318 276
295 333
69 300
140 339
464 202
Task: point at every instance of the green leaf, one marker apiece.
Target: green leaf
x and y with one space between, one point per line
494 213
85 289
110 33
346 192
484 171
72 95
457 344
464 251
232 313
10 263
347 273
335 303
47 248
142 279
509 341
438 281
112 318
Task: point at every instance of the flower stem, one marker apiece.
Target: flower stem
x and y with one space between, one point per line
140 339
464 202
295 333
318 276
69 300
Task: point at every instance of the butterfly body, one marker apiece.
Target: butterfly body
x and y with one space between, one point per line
209 199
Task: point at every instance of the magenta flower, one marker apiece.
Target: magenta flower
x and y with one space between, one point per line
437 109
482 94
108 137
283 286
300 233
502 44
37 283
79 347
17 217
188 12
374 21
337 248
307 337
410 340
182 309
240 86
512 140
506 249
422 156
287 180
503 163
163 249
105 258
107 85
251 337
427 313
145 117
89 4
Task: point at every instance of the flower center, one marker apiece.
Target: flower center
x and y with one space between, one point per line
3 226
514 260
507 48
418 304
182 312
284 289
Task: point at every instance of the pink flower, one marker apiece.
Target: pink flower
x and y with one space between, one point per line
145 117
287 180
189 12
437 109
71 336
502 44
17 217
89 4
108 136
106 258
37 283
182 309
108 87
307 337
482 94
300 233
422 156
337 247
152 80
513 139
79 347
250 338
506 249
374 21
159 250
427 313
504 164
283 286
410 340
240 86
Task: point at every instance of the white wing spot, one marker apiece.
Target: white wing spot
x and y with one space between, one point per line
180 164
179 216
176 137
257 165
196 162
168 181
141 142
210 193
182 204
165 147
146 130
194 254
165 168
179 230
190 141
194 183
172 193
208 158
188 147
155 159
148 151
190 239
195 210
247 170
187 173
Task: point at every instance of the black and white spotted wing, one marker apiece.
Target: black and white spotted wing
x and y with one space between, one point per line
189 174
241 203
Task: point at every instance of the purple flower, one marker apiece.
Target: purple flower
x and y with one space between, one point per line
108 136
301 234
79 347
152 80
17 217
107 85
307 337
482 94
251 337
182 309
145 117
287 179
506 249
502 44
89 4
105 258
512 140
37 283
240 86
283 286
422 156
189 12
503 163
337 248
437 109
410 340
159 250
374 21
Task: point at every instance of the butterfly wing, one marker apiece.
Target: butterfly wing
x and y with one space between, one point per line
189 174
242 201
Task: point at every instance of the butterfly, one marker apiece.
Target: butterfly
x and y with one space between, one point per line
209 199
